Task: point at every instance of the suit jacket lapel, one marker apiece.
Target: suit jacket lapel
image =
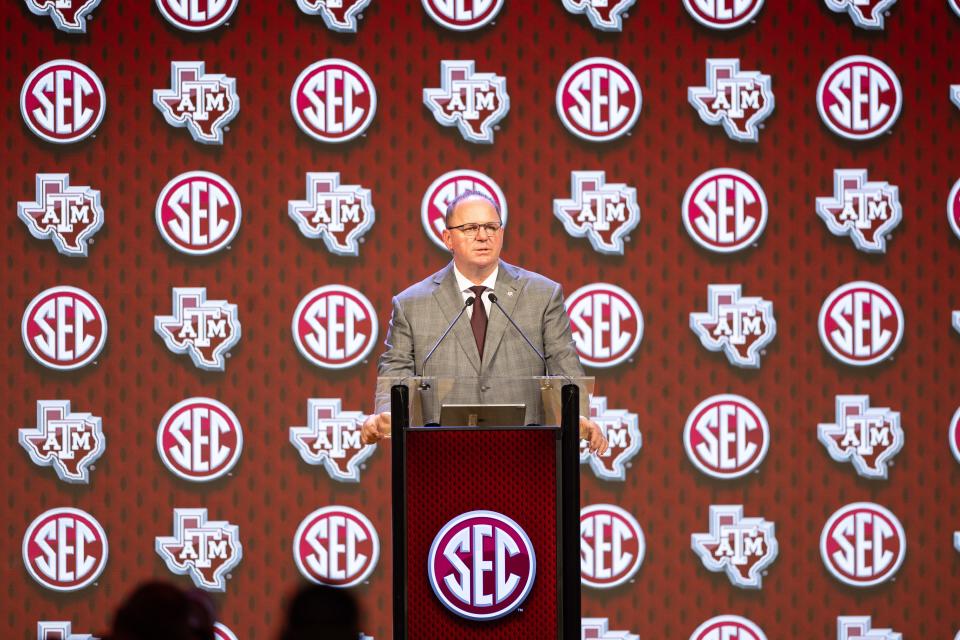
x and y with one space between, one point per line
506 290
448 297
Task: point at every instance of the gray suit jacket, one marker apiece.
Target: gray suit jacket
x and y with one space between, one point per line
422 312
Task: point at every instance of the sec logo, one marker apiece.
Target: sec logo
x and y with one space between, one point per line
954 434
199 439
861 323
598 99
953 208
333 100
723 14
63 101
223 632
65 549
863 544
481 565
433 207
64 328
336 546
607 324
612 546
197 15
726 436
724 210
334 326
198 213
859 97
728 628
462 15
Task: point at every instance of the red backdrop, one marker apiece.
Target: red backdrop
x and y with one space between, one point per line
271 266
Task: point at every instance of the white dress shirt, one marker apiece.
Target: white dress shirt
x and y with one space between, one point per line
464 284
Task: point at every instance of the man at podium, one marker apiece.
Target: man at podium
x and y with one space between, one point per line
474 318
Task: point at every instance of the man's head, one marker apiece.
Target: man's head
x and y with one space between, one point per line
469 217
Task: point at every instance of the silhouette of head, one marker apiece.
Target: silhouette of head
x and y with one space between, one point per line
318 611
162 611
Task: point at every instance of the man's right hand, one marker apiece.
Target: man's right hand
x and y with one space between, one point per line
375 428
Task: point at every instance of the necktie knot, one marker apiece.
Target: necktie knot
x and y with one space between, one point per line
478 291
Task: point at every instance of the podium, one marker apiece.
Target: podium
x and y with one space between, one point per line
485 515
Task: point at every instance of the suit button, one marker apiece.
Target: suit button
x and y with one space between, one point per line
485 388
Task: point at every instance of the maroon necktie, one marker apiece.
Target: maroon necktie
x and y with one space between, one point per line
479 318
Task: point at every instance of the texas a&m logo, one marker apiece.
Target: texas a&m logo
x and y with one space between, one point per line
68 15
726 436
738 100
607 324
723 14
471 101
598 99
223 632
861 323
605 15
859 97
602 212
953 207
955 5
205 550
332 438
336 546
955 92
338 15
866 210
199 439
740 326
599 629
204 329
954 431
60 631
340 214
861 628
334 326
333 100
64 328
866 14
481 565
724 210
863 544
67 441
741 547
198 213
203 103
462 15
622 431
869 437
63 101
65 549
612 546
728 627
438 195
197 15
68 215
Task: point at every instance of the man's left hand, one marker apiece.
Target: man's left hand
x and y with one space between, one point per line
590 431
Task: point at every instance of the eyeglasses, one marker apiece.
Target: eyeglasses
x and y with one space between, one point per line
471 229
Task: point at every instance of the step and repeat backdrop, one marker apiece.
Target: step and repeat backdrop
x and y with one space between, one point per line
753 207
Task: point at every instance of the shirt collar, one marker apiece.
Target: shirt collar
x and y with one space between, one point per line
464 284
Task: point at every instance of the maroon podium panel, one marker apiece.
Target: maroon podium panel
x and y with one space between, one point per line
510 475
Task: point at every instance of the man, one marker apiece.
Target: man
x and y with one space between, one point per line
484 343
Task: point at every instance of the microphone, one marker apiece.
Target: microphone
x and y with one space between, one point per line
469 301
492 297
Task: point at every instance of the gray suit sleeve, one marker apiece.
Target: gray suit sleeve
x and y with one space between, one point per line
399 359
558 346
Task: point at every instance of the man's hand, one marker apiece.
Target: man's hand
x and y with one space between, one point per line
589 431
376 427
